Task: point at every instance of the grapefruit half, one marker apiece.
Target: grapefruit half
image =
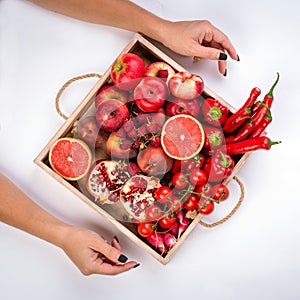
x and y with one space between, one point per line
71 158
182 137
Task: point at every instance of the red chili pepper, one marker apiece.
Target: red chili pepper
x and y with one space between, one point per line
214 112
251 144
242 134
218 166
262 126
241 115
268 99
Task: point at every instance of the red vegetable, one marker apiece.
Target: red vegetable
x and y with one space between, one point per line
169 239
242 134
262 126
218 166
250 144
214 136
214 112
243 114
183 225
156 239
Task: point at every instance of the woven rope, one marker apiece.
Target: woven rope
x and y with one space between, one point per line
233 210
62 89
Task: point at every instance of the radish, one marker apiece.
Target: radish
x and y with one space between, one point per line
156 239
169 239
183 225
180 215
174 229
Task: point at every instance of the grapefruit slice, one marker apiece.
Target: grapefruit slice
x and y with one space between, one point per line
71 158
182 137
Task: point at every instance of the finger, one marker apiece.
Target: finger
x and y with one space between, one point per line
211 53
222 65
112 253
115 243
110 269
220 38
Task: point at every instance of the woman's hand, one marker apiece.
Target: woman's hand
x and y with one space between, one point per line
199 39
93 255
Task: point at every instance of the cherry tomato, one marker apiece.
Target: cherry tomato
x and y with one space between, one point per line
220 192
191 202
153 213
163 194
205 207
145 229
167 221
205 190
198 177
180 180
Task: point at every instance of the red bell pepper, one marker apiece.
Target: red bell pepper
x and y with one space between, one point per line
214 137
218 166
214 112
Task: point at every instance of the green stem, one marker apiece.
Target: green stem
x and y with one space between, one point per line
270 93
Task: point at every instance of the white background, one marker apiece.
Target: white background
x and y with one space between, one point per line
255 255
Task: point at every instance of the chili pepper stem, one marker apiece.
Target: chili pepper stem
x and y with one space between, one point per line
270 93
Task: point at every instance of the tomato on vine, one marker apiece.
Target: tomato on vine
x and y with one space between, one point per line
167 221
163 194
220 192
180 180
153 212
205 206
198 177
191 203
145 229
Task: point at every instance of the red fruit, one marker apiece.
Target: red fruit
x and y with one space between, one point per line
88 130
71 158
182 137
116 148
154 161
137 194
186 86
159 69
110 92
178 106
111 115
105 178
150 94
127 71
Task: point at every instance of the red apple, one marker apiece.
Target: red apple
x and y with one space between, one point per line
110 91
185 85
150 94
127 71
116 148
88 130
111 115
179 106
160 69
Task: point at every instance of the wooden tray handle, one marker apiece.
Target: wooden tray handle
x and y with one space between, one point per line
211 225
69 82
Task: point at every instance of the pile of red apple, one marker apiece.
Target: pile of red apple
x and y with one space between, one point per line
161 194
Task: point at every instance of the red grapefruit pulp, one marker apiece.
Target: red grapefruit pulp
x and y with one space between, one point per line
71 158
182 137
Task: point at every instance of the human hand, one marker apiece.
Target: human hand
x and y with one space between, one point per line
93 255
199 39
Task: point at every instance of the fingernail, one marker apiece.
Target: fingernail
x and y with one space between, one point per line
238 58
135 266
225 73
115 237
122 258
222 56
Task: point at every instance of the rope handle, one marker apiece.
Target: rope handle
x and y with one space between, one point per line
233 211
62 89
